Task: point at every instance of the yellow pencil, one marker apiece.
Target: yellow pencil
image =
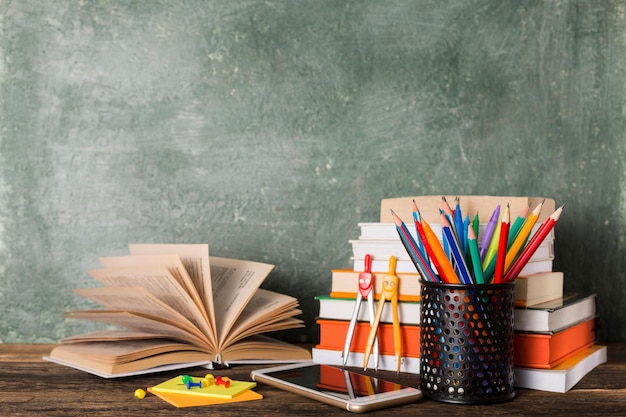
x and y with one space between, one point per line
522 237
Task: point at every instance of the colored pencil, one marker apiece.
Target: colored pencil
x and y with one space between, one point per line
449 213
475 255
419 238
522 237
438 256
503 240
490 269
458 225
491 226
422 236
445 207
413 250
532 245
517 224
465 225
493 244
455 250
476 226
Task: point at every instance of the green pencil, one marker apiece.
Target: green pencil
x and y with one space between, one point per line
475 255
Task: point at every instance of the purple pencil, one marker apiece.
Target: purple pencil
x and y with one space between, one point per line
491 227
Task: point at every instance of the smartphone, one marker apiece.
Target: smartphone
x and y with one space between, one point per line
337 386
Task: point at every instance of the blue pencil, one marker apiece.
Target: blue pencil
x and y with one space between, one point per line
458 226
459 259
414 252
416 219
464 245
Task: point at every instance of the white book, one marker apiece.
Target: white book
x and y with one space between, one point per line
556 314
394 247
538 288
385 362
565 375
343 308
381 265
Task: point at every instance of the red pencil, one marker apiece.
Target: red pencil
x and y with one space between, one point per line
502 245
532 245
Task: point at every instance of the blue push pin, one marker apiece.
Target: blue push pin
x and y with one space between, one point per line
188 381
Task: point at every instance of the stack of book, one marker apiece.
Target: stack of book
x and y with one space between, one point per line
539 348
381 240
336 311
555 334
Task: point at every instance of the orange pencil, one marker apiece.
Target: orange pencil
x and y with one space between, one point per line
502 244
438 256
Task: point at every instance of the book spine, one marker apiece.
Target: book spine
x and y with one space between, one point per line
343 309
333 336
352 295
386 362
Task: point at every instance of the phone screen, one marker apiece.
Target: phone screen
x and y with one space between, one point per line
339 381
351 390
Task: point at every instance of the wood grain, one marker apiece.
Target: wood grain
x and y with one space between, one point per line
30 386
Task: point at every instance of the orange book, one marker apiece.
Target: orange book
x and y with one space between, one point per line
333 337
546 350
352 294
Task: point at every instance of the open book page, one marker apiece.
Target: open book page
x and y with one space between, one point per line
128 357
264 308
112 335
260 348
195 258
139 300
129 350
143 323
157 280
285 322
172 262
234 284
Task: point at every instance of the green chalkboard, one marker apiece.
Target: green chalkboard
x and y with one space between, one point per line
270 129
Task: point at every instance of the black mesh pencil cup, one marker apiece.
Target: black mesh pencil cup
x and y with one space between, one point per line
466 342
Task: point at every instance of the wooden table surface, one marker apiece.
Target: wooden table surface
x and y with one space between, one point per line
30 386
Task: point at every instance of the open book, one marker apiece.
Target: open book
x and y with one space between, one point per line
179 308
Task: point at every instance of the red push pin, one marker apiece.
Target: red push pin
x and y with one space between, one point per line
222 381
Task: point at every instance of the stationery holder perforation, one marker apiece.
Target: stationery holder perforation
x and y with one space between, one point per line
466 342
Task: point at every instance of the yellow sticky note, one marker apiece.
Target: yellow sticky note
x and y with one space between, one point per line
176 386
186 400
